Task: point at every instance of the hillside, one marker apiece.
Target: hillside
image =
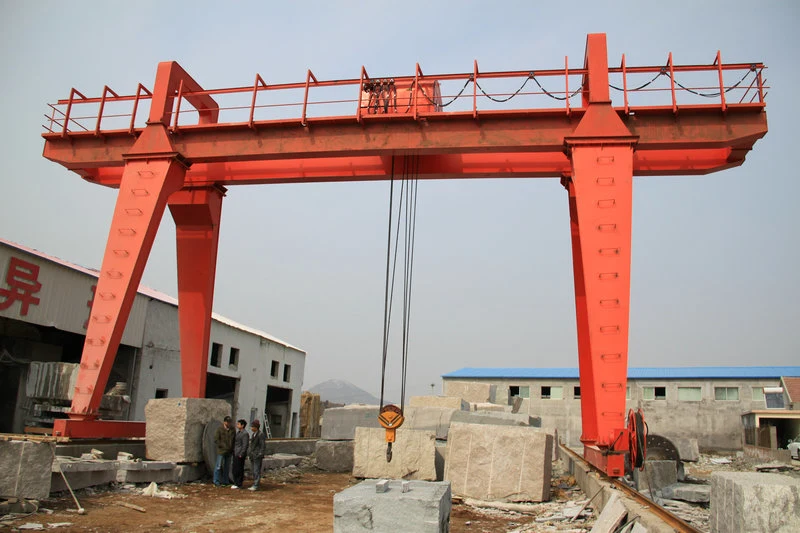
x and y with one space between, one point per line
339 391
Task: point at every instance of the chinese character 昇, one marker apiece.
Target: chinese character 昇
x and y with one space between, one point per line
23 283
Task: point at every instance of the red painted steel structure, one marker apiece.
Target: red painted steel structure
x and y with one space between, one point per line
595 148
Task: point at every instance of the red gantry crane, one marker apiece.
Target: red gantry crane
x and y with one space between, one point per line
684 119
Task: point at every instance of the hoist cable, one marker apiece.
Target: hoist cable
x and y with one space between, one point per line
386 289
412 225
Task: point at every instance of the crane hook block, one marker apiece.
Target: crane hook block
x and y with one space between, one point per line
390 418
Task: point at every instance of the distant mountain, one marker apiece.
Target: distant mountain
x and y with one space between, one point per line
338 391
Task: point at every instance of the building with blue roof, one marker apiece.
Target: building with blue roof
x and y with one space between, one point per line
706 403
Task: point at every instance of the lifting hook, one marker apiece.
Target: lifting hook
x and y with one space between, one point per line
390 418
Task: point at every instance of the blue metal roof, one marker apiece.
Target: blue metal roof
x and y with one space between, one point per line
682 372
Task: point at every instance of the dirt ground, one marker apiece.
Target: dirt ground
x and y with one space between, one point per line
301 503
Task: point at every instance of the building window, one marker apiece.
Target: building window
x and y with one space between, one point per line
552 393
758 394
654 393
216 354
276 420
726 393
689 394
233 359
274 370
162 393
287 373
576 393
522 392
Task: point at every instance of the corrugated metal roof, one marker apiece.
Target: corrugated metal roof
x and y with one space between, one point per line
683 372
147 291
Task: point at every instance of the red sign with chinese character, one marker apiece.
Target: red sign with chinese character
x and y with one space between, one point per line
23 283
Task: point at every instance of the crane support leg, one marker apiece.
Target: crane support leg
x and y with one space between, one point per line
197 216
147 183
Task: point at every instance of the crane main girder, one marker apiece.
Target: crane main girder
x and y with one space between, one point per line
595 149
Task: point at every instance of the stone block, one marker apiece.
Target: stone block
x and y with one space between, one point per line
340 423
436 419
413 455
500 463
82 474
471 391
382 485
441 459
656 475
424 508
186 473
145 471
688 450
687 492
303 447
174 430
310 413
335 455
25 468
452 402
754 502
611 516
492 418
493 407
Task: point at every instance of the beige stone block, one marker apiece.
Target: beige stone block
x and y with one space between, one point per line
174 427
451 402
493 407
471 391
436 419
500 463
413 455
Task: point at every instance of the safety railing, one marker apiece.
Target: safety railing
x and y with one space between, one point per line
632 90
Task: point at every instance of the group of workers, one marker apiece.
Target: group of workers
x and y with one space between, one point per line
233 447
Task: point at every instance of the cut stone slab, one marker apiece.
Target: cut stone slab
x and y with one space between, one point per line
611 517
174 430
502 463
754 502
280 460
25 468
441 458
335 455
340 423
452 402
471 391
145 471
187 473
688 492
492 417
436 419
656 475
82 474
493 407
425 508
413 455
688 450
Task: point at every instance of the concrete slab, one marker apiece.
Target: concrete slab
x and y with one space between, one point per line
754 502
82 474
335 455
656 475
25 468
436 419
451 402
471 391
413 455
174 430
145 471
135 447
687 492
424 508
688 449
340 423
499 464
611 517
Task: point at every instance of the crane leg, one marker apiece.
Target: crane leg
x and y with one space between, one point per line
196 213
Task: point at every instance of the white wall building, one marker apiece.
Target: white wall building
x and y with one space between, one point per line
44 306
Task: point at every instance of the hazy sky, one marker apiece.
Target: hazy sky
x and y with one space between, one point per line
715 258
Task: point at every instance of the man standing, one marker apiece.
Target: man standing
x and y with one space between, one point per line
239 453
223 439
257 446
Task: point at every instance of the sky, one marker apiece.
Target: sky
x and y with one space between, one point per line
714 278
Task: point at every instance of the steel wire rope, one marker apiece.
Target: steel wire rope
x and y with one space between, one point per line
386 310
710 95
411 231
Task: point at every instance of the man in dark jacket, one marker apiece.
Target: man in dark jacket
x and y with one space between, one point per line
239 453
256 453
223 439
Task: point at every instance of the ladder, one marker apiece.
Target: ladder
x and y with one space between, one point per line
267 431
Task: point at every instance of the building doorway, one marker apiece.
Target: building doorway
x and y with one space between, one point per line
279 410
219 387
